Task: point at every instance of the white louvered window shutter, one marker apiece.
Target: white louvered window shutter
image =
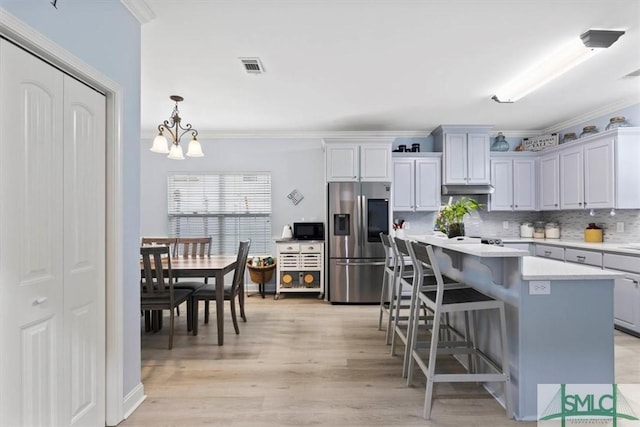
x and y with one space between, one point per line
227 207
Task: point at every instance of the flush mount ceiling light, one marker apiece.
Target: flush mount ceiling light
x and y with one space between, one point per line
558 63
176 130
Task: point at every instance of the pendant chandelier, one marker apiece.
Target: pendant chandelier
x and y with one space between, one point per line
176 130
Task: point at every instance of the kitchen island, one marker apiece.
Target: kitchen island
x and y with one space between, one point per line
559 316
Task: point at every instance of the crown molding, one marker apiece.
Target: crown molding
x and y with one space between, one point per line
594 114
140 10
302 134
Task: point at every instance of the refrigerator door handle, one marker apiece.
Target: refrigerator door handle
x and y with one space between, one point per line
360 263
363 224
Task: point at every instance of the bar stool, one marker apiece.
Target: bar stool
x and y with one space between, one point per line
406 305
388 276
444 301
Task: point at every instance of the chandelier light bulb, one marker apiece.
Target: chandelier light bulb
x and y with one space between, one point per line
194 149
176 152
160 145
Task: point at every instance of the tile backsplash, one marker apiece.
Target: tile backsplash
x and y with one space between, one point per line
572 223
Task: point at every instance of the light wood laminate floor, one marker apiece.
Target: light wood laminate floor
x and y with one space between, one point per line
300 361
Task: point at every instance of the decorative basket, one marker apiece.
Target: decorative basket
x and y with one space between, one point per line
261 274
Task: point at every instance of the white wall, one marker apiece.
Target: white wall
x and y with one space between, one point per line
293 163
106 36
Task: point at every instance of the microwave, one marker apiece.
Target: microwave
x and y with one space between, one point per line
308 230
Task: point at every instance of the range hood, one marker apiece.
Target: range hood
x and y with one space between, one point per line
463 190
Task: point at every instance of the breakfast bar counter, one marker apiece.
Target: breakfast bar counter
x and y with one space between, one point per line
559 316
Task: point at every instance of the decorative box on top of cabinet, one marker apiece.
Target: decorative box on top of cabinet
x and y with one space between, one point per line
513 176
358 159
416 182
465 149
300 267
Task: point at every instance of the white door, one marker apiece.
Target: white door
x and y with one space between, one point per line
31 259
524 185
403 185
550 182
478 147
50 347
599 175
502 181
427 173
84 254
571 179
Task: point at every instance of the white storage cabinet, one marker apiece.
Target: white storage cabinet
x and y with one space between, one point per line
595 172
416 182
549 182
514 182
357 160
300 267
465 149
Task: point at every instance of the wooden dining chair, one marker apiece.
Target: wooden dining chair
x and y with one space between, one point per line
192 247
157 290
231 292
160 241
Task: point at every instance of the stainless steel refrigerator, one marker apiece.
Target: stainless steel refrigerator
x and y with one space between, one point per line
358 212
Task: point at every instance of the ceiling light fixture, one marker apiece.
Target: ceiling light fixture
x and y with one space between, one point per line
176 130
558 63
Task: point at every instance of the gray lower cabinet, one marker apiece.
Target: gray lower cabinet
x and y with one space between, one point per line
547 251
626 296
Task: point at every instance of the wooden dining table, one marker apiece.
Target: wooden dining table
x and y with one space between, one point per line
214 266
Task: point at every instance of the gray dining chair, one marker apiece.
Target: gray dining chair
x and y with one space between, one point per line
157 290
231 292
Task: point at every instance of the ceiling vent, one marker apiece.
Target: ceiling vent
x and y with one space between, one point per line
252 65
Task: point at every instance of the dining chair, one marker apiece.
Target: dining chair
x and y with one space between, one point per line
192 247
157 292
231 292
160 241
467 301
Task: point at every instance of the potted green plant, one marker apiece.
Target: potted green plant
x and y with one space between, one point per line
450 218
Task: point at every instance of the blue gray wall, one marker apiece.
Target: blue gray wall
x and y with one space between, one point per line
106 36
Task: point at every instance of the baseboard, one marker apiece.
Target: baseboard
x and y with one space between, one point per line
133 399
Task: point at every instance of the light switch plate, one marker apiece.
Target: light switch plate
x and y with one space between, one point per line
539 287
620 227
505 225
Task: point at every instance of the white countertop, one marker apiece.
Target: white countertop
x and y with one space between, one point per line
537 268
626 248
470 246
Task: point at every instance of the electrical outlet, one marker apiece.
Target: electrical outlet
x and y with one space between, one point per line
539 287
406 225
620 227
505 225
